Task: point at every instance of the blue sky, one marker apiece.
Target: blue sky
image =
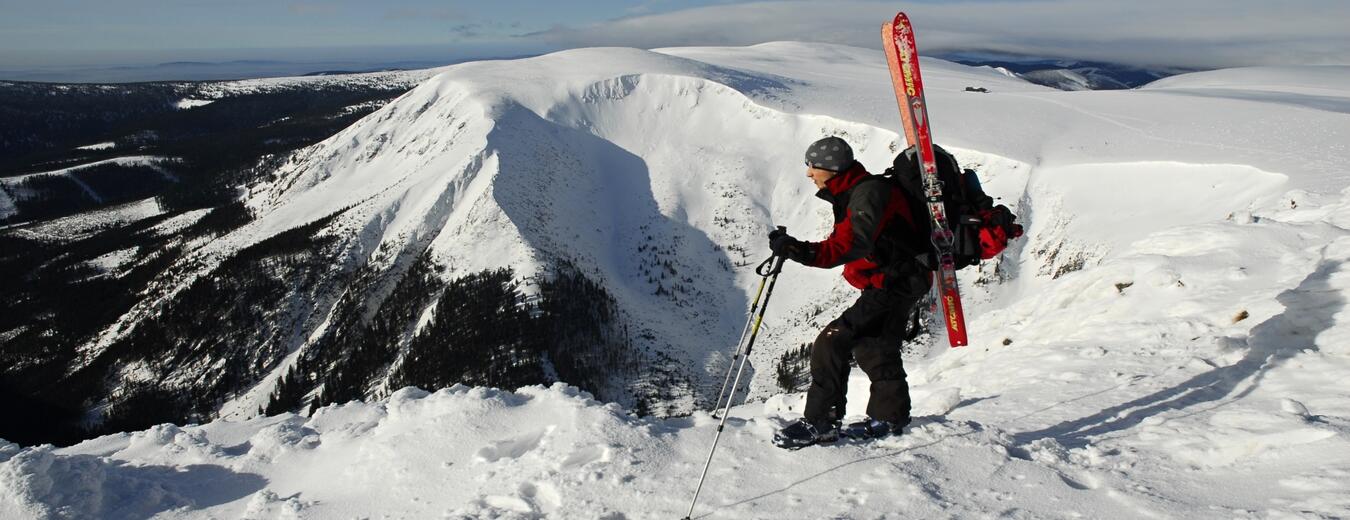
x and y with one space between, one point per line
97 32
1182 33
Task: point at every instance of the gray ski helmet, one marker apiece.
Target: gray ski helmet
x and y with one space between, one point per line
830 153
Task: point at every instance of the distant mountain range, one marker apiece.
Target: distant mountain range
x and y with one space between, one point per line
1066 74
1063 74
218 70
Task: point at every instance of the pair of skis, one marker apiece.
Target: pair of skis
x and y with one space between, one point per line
902 57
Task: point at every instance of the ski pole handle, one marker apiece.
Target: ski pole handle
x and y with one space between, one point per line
768 266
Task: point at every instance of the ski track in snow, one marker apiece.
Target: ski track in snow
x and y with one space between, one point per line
1142 353
1115 120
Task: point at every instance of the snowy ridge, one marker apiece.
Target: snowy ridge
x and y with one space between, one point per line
1330 79
1169 340
7 207
84 224
10 188
219 89
1321 88
98 146
149 161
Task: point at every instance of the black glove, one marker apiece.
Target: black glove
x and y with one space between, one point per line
782 244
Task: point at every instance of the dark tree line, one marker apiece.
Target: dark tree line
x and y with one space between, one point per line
482 330
358 347
587 342
44 120
793 371
53 303
480 333
215 336
231 326
218 147
223 332
42 197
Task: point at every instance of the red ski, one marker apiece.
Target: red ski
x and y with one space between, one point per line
902 56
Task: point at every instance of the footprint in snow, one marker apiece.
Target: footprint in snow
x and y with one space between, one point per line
542 495
508 503
584 456
532 500
512 448
938 402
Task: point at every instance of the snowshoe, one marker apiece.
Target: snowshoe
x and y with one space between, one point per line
872 429
803 433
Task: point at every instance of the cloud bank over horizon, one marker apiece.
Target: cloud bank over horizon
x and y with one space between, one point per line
94 41
1191 34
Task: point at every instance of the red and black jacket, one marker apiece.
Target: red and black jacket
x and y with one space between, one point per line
864 214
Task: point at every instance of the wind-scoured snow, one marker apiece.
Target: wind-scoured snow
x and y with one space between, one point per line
98 146
7 206
89 222
220 89
149 161
186 103
1169 339
1322 88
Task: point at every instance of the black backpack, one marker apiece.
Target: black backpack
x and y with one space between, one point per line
969 211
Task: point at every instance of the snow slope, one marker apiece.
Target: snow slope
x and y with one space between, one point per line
87 223
1319 88
1169 339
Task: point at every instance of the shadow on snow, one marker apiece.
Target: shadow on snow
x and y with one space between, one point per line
1309 310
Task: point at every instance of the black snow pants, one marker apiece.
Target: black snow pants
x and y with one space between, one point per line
872 331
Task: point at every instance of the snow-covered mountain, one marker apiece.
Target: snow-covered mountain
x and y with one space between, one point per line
655 172
1166 340
1066 74
1074 79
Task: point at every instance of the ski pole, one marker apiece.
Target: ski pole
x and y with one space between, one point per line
763 278
769 270
717 406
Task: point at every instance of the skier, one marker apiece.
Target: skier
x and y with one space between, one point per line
874 238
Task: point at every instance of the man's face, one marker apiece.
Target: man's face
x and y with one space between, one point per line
819 176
